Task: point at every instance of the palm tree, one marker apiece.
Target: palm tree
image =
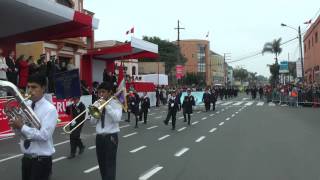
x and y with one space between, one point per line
273 47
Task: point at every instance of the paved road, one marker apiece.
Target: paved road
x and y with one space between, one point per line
242 139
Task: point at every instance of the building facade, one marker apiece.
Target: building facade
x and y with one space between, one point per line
312 53
151 67
67 52
197 53
217 68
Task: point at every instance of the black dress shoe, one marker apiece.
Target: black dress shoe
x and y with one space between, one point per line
166 123
82 149
71 156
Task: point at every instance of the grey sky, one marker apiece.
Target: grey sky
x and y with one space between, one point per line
237 27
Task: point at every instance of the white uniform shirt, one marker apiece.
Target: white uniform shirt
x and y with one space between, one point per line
41 140
3 65
112 118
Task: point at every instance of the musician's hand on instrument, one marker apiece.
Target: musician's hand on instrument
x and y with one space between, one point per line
16 123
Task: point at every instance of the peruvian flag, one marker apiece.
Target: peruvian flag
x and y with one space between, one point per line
131 31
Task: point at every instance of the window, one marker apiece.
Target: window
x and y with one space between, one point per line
309 44
316 37
67 3
133 70
305 47
201 55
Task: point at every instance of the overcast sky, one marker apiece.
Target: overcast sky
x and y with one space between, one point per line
237 27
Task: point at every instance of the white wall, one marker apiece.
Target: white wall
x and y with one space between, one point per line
97 70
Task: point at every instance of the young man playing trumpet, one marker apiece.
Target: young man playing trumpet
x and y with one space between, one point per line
37 146
107 128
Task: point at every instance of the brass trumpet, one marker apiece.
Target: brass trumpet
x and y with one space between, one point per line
95 110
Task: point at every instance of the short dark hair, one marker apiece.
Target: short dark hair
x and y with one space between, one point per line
106 86
38 78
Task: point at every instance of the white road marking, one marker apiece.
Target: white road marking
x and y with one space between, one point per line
152 127
218 102
249 103
163 137
204 118
63 142
221 123
227 103
232 115
181 129
92 147
124 126
238 103
12 157
196 122
91 169
59 159
271 104
181 152
237 112
200 139
131 134
227 119
137 149
180 117
260 103
199 112
218 112
150 173
212 130
211 115
152 114
244 99
222 110
158 117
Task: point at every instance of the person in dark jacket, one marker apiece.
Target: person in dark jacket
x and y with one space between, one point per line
74 110
187 104
173 106
145 105
206 100
133 106
213 99
12 71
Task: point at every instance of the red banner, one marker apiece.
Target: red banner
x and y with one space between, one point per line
179 71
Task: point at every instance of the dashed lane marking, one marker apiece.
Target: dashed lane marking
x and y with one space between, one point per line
152 127
92 147
138 149
212 130
200 139
163 137
249 103
91 169
181 129
181 152
221 123
196 122
211 115
227 119
204 118
150 173
131 134
124 126
59 159
260 103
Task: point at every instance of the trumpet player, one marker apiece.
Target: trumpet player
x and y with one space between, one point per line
37 147
74 109
107 129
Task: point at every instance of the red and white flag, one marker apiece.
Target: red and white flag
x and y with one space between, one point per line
121 90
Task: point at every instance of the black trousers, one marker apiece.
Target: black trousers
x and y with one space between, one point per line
207 105
171 114
144 112
214 106
185 117
75 142
106 150
36 168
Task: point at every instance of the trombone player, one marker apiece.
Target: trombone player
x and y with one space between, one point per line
107 128
38 144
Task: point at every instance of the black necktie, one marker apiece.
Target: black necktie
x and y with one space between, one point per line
102 117
27 142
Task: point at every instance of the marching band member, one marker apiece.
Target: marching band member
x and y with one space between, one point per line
74 110
38 146
187 104
133 106
173 106
206 99
107 129
145 105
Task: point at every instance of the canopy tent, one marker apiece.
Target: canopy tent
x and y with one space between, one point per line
41 20
135 49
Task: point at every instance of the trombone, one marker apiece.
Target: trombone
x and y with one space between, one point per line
95 110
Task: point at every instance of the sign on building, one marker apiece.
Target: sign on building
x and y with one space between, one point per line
284 67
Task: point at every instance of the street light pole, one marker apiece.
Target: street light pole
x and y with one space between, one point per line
301 55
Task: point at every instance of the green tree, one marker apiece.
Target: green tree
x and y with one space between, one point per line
273 47
168 53
240 74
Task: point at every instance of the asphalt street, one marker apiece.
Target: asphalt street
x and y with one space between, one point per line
242 139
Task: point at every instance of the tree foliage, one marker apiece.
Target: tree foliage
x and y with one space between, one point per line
273 47
240 74
168 53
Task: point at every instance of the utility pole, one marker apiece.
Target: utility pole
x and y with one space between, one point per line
301 55
178 44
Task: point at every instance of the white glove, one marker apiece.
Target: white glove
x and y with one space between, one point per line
68 103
